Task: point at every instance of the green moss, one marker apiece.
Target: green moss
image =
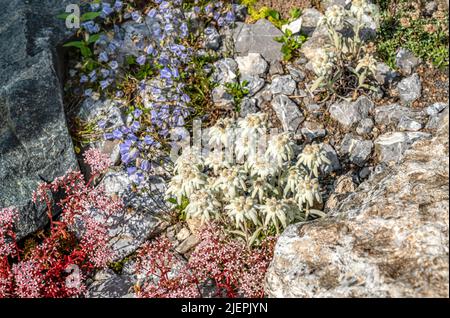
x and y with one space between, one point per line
431 46
117 267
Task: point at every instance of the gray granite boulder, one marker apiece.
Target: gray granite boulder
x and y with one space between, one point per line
107 284
248 106
35 144
357 149
252 64
142 217
253 84
288 113
388 238
406 61
410 89
283 85
310 20
390 147
258 38
434 121
390 115
348 113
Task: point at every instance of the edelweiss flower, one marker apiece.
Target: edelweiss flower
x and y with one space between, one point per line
276 212
323 62
360 7
188 180
262 168
203 204
335 16
292 178
221 133
174 189
189 157
253 125
216 161
279 149
231 181
260 188
241 209
307 191
245 149
313 157
368 62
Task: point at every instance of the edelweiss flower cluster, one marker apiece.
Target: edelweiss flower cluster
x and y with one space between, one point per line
324 62
345 55
335 15
258 189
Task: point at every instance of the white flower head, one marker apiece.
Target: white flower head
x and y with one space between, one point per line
313 157
260 188
291 179
262 168
189 157
323 62
276 212
308 191
279 149
253 125
241 209
368 62
335 16
188 180
216 161
175 189
245 148
231 182
360 7
222 132
204 205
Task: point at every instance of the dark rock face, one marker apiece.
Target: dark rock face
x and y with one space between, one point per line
34 141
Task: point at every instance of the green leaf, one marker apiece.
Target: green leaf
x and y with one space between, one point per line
254 236
89 16
274 14
172 200
295 13
90 65
62 16
93 38
279 39
85 51
78 44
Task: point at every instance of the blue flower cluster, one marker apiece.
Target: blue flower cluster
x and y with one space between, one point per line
162 46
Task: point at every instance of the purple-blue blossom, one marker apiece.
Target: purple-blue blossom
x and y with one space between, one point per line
118 5
83 79
103 57
141 60
114 65
136 16
165 73
106 9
